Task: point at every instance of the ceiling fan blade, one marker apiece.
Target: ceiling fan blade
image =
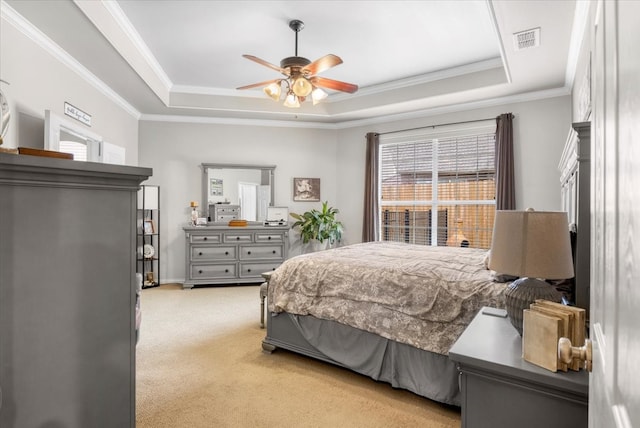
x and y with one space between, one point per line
255 85
266 64
334 84
322 64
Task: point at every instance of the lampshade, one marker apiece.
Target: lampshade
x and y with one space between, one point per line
273 91
318 95
302 87
291 100
531 245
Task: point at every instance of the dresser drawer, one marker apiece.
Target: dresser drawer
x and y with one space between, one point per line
269 237
213 253
199 272
226 217
261 252
227 209
256 269
238 237
205 239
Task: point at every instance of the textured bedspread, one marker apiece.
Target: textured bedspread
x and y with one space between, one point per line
419 295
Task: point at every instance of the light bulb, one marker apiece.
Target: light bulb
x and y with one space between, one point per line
291 101
273 91
302 87
318 95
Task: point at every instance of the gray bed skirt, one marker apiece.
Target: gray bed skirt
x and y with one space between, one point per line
425 373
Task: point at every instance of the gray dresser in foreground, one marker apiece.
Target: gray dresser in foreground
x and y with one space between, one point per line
501 390
67 292
221 254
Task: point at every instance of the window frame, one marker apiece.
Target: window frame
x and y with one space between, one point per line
434 136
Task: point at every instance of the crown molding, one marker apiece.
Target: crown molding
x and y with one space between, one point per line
454 108
8 14
580 18
113 24
236 121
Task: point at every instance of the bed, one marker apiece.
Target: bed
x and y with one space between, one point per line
387 310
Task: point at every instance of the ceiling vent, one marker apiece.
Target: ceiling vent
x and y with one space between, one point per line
526 39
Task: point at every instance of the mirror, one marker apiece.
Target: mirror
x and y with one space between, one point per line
248 186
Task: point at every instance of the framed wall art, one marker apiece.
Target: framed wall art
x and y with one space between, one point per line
306 189
149 227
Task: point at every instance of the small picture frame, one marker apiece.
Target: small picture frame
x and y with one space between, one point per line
149 227
306 189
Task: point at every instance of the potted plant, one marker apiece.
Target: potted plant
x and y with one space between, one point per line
321 226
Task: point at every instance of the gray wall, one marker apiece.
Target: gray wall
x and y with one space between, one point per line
39 82
540 132
174 151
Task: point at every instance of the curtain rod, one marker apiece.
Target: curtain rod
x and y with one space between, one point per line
440 124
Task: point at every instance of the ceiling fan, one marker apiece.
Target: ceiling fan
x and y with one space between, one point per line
301 76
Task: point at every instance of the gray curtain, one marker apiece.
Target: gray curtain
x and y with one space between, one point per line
505 183
370 220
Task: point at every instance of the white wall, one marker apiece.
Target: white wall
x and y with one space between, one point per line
39 82
540 131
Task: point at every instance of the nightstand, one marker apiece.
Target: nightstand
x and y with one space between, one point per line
500 389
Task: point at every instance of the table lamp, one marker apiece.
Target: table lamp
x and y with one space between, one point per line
532 245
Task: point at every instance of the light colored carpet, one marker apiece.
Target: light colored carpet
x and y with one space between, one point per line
200 364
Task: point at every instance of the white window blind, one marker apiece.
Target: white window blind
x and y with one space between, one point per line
438 188
78 150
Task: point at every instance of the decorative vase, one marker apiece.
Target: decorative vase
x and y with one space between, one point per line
524 291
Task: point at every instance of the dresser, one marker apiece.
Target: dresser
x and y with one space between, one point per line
224 212
67 292
501 390
233 255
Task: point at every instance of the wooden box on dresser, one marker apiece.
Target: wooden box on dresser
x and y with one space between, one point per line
502 390
67 292
221 254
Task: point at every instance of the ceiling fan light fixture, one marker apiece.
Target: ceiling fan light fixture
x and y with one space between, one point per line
302 87
291 100
301 78
318 95
273 91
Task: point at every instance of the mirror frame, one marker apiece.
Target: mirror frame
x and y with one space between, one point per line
205 182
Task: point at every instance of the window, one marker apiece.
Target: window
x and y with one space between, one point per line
438 188
81 147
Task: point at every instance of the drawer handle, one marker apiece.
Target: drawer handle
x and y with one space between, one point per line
274 251
226 271
248 252
200 253
269 238
237 238
200 272
226 253
248 270
205 238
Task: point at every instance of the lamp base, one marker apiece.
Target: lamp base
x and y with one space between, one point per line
524 291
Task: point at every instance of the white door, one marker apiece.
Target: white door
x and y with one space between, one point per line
614 388
248 201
